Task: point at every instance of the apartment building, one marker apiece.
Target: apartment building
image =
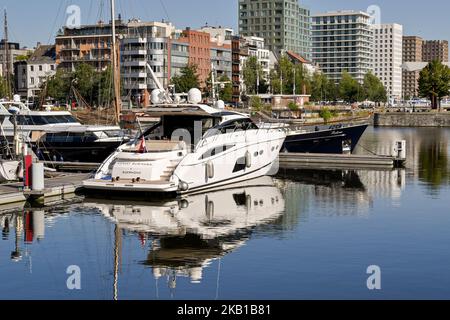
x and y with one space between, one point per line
343 41
221 52
388 57
31 74
284 25
14 51
90 44
412 55
435 50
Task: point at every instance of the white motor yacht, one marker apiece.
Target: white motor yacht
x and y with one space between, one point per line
193 147
58 135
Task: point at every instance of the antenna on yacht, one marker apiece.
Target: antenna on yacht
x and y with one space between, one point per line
115 65
160 93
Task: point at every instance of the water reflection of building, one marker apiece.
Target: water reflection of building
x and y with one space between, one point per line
186 235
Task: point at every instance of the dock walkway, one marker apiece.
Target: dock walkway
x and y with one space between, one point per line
57 189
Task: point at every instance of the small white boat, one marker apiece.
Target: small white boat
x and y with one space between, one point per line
9 170
194 147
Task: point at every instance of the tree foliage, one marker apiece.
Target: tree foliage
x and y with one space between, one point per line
226 90
287 74
253 70
322 88
349 89
95 87
374 89
187 79
434 82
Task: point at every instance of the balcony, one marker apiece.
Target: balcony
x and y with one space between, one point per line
135 75
134 40
135 52
134 63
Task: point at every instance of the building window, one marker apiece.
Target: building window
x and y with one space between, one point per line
31 68
40 68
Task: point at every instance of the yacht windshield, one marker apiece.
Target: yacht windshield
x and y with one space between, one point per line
40 120
182 128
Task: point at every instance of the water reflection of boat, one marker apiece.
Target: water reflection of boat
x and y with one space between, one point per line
330 178
188 234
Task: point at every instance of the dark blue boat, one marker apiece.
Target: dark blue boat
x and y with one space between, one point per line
335 139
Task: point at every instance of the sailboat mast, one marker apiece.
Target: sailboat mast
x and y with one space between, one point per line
7 57
115 65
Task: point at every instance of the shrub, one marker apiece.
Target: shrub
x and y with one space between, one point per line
326 114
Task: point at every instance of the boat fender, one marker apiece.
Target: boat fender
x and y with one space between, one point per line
210 170
248 203
209 208
183 186
248 160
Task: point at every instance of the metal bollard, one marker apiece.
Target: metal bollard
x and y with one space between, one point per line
37 177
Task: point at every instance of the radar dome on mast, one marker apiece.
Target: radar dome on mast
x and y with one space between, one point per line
194 96
157 96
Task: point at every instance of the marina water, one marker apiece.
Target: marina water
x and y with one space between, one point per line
305 235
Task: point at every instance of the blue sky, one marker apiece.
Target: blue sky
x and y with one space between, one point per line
33 21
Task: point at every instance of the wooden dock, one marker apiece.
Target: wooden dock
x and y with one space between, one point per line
338 161
59 189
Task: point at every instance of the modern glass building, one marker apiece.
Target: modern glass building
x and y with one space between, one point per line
343 41
284 25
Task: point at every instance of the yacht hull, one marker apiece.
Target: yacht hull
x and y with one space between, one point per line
253 155
92 152
335 140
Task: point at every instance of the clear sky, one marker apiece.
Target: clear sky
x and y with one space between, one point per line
33 21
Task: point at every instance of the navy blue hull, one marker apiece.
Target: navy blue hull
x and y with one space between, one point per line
334 139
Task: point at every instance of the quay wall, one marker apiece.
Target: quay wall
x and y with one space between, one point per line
405 119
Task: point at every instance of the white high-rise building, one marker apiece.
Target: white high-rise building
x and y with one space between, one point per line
343 41
388 56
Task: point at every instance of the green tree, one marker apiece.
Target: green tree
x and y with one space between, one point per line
349 89
187 79
85 79
104 91
286 75
293 106
3 89
434 83
256 103
322 88
374 89
226 91
58 86
251 72
326 114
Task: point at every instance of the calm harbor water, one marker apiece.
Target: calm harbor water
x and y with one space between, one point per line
303 235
